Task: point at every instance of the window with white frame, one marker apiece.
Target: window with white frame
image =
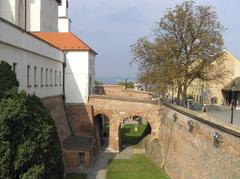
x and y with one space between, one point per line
28 76
35 76
60 78
46 78
41 78
51 77
14 67
55 78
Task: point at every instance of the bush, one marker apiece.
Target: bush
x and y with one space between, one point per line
29 144
8 78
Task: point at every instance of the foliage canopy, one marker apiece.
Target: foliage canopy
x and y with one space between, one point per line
8 78
188 45
30 147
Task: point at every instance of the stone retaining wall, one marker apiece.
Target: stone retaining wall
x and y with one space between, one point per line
193 154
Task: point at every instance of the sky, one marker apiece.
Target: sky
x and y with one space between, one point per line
111 26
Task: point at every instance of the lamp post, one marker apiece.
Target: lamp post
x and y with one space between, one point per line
233 88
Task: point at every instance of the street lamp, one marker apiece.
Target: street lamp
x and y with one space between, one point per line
233 88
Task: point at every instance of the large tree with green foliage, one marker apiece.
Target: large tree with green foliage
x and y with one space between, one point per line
188 46
29 144
8 78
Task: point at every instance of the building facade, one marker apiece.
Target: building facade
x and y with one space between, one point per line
51 62
212 92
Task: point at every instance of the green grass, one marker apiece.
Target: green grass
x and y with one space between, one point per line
140 167
130 136
76 176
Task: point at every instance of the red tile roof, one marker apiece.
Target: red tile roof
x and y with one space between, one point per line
64 40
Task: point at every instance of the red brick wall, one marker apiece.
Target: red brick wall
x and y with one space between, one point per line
81 118
118 90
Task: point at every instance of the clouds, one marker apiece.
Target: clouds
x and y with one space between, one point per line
111 26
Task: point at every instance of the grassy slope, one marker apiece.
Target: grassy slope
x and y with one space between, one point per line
130 136
140 167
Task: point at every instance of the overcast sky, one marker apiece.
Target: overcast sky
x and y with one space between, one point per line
111 26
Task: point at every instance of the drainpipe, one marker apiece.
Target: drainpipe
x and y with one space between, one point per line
25 15
64 66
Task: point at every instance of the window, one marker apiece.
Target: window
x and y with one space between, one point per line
55 78
46 78
14 67
28 76
41 78
60 78
35 76
51 77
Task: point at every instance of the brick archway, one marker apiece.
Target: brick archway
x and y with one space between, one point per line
118 109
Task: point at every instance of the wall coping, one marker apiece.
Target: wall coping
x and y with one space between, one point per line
210 121
122 99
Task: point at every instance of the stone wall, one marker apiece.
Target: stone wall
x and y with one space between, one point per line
117 110
81 118
55 106
120 91
185 154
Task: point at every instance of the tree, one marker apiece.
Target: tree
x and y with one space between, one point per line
127 84
8 78
29 144
188 45
98 83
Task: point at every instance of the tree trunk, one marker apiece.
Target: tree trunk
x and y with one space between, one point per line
179 91
184 95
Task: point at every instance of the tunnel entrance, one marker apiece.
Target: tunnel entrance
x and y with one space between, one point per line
132 130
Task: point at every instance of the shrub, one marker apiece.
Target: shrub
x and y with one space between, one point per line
29 144
8 78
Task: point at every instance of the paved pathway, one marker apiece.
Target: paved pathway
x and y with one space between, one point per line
221 113
99 170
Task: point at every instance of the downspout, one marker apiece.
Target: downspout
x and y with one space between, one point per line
25 15
64 66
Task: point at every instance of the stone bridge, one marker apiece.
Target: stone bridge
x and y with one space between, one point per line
116 109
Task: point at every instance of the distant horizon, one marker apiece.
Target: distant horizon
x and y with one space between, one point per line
115 79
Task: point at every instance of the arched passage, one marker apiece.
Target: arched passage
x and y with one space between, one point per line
132 130
101 129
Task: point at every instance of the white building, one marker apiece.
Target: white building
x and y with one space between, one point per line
64 22
38 64
31 15
80 65
45 60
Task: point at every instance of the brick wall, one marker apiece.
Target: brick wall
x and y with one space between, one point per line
120 91
81 118
186 154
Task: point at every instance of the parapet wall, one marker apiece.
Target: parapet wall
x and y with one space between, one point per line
193 154
120 91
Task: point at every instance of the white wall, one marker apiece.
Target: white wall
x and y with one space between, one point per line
22 48
64 24
7 10
49 16
24 40
80 68
63 10
76 77
42 15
